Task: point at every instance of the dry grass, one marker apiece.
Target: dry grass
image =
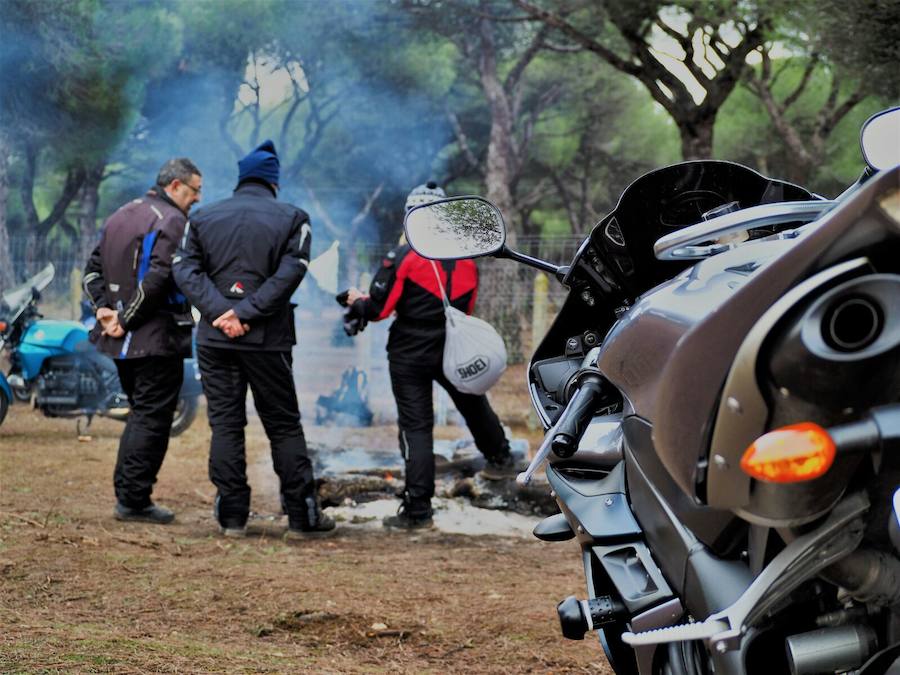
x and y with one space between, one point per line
81 592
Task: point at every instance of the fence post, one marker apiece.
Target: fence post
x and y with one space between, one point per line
539 308
75 293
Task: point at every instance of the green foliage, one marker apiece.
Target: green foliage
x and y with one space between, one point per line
128 85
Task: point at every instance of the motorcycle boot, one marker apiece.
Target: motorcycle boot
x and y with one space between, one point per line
232 522
148 514
309 521
500 468
412 515
500 465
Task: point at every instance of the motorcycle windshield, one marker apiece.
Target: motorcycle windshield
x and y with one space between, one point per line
12 302
669 199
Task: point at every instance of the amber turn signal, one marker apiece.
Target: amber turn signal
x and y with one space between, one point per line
791 454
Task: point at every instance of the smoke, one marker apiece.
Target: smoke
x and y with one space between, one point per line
351 96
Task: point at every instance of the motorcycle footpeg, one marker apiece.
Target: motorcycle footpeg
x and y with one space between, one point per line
577 617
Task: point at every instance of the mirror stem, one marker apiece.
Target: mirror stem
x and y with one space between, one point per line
556 270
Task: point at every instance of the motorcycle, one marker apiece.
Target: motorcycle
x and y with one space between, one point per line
720 395
53 363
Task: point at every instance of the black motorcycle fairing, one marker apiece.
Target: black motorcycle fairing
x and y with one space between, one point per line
618 258
615 263
684 416
719 530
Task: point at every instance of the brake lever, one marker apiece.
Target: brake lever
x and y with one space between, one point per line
564 436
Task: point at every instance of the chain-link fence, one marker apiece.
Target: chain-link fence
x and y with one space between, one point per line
506 293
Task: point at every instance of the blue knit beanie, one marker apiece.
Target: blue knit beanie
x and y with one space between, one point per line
260 163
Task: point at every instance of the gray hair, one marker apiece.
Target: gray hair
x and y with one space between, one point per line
180 167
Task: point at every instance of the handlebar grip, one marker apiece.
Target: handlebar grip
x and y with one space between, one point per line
576 417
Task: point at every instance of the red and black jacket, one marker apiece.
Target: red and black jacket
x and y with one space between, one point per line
406 284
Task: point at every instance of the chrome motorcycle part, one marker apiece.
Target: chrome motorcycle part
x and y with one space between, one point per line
16 381
800 560
830 650
689 243
577 617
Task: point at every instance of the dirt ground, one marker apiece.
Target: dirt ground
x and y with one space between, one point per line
81 592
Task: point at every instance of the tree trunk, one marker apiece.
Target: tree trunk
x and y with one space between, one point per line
7 278
501 162
86 218
696 137
504 310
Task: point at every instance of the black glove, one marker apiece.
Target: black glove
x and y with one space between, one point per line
354 321
342 298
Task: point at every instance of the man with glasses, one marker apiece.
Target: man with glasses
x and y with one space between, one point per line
144 324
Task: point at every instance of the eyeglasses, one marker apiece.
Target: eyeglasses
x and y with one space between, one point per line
197 190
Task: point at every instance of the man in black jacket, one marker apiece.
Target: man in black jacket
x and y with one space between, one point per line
144 323
240 261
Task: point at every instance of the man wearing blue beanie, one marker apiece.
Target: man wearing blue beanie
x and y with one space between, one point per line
240 261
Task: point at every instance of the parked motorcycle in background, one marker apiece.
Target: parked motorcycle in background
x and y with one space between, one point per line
53 363
721 393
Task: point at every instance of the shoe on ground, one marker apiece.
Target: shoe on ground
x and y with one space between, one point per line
148 514
405 521
233 531
323 527
503 468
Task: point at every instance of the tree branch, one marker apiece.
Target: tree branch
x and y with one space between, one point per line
804 80
515 75
330 225
463 141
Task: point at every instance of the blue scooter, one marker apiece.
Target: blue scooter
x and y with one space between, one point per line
54 365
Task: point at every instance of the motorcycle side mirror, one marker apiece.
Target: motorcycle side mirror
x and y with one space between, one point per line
880 139
465 227
459 227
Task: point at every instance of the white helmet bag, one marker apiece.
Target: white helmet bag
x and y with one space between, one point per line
474 352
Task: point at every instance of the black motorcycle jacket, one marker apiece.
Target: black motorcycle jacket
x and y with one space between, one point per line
130 271
406 283
247 253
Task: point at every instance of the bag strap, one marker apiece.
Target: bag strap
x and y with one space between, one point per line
440 285
443 293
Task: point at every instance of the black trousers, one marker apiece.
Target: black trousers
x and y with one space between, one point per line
226 373
412 386
152 384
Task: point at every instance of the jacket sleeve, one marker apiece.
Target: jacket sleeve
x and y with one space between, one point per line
385 290
93 282
152 290
192 279
276 291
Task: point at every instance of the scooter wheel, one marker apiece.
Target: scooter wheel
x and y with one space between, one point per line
22 395
185 413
